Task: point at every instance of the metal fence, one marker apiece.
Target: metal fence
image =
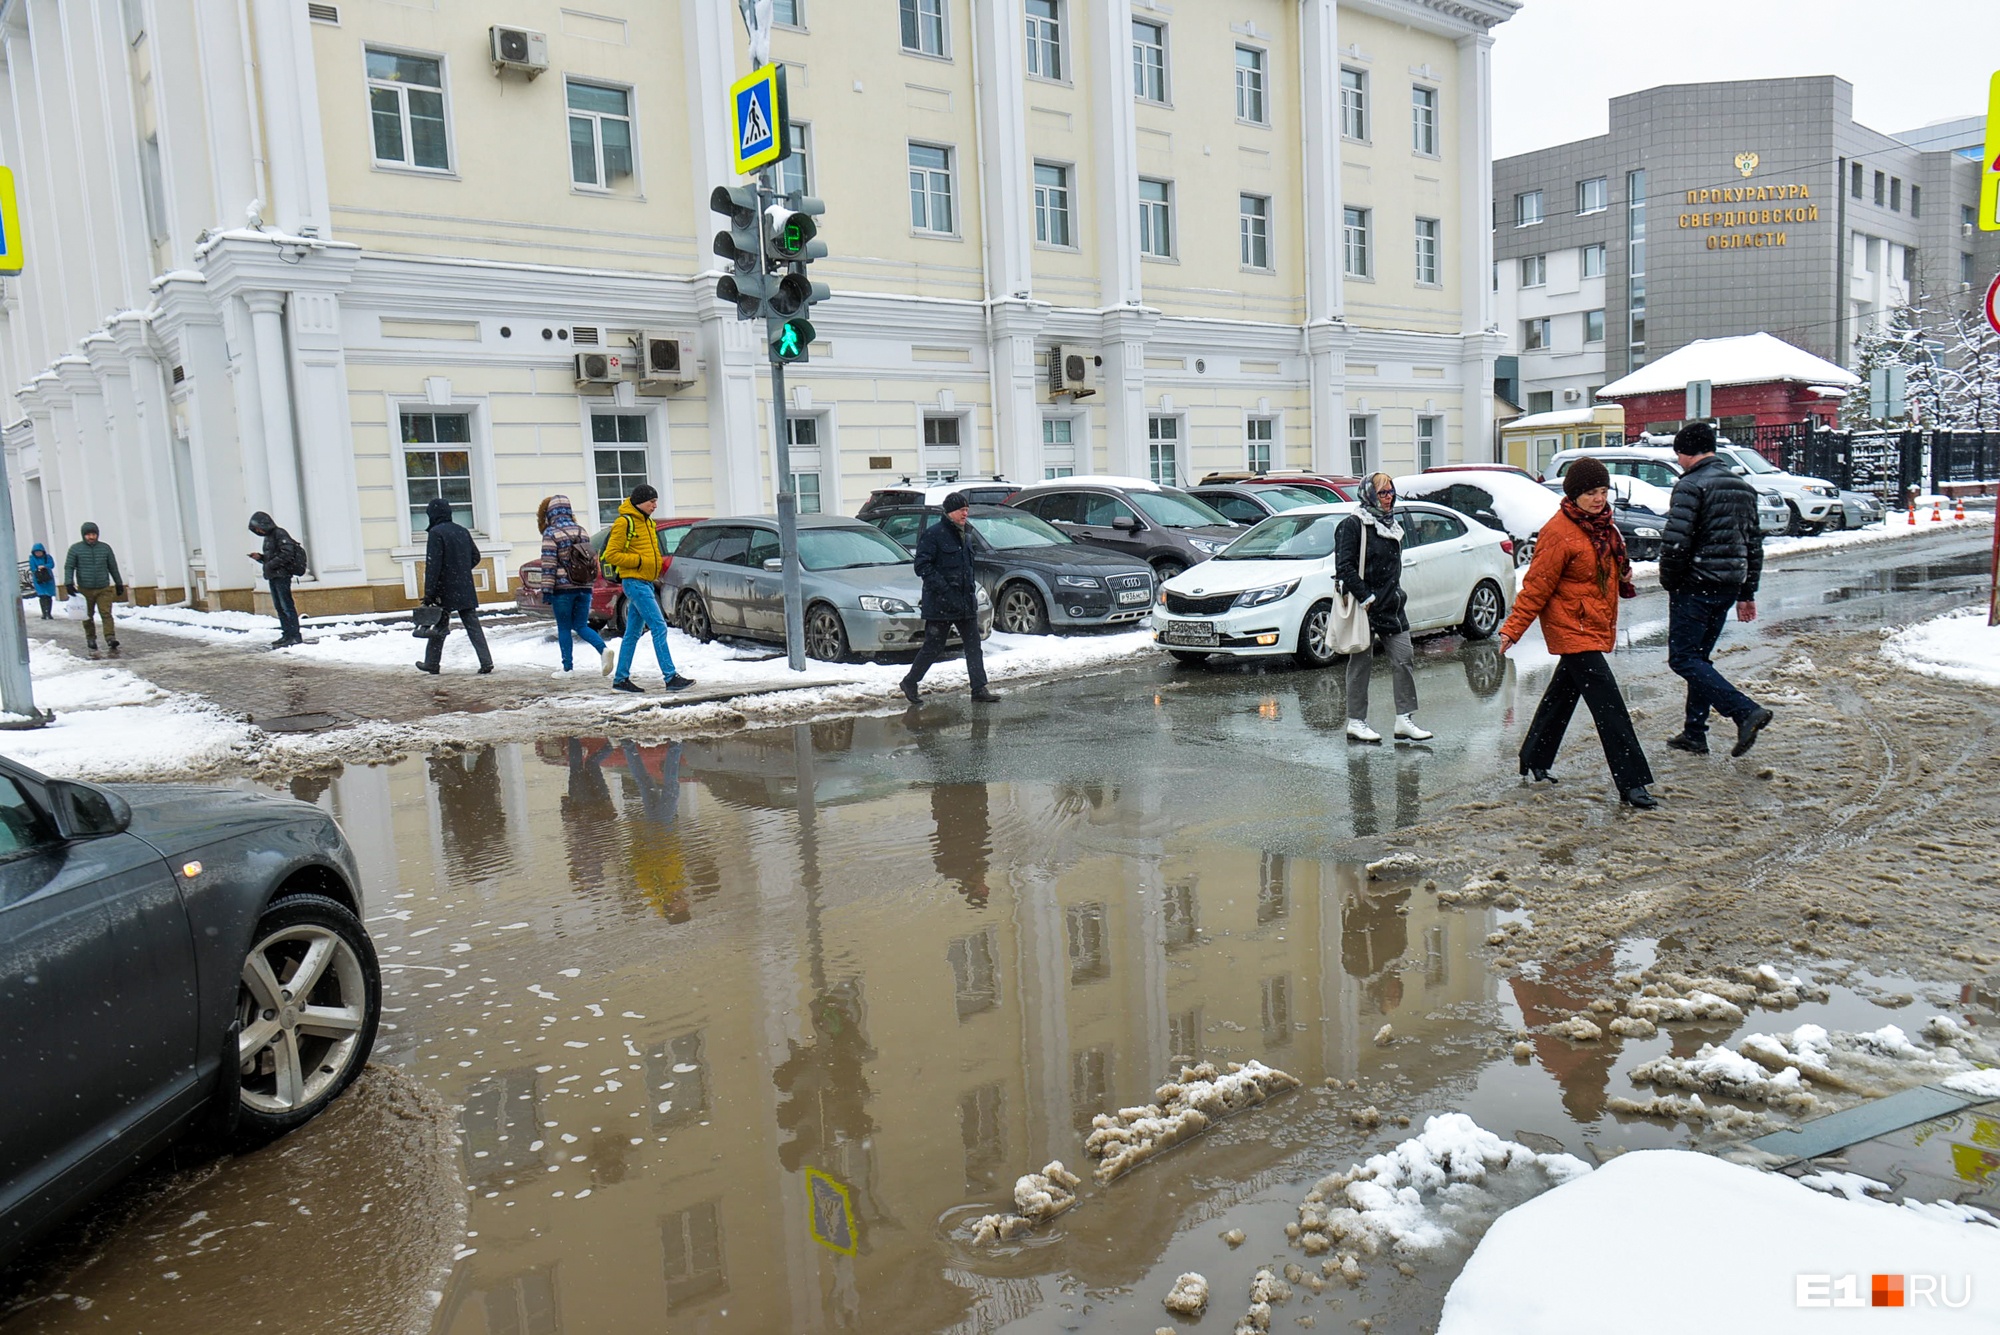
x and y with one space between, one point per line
1886 464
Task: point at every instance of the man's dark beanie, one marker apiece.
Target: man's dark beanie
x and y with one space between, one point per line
1695 438
643 493
955 501
1585 474
89 527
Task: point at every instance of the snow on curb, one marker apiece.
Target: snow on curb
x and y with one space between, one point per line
111 724
1958 646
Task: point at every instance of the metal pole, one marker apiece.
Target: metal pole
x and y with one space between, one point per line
788 501
17 687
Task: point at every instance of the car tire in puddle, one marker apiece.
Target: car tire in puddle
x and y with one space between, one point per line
1482 611
309 1001
1315 646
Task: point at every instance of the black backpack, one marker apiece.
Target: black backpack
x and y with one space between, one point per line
292 560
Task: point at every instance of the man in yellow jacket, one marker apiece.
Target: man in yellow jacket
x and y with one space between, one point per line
632 553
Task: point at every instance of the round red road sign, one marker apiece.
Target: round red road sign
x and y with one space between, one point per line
1993 303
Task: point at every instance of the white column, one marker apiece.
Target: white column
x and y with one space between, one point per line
112 128
1124 386
36 403
1011 329
219 454
288 97
234 147
1115 147
97 487
139 511
331 498
1326 335
1475 246
1013 319
274 400
154 435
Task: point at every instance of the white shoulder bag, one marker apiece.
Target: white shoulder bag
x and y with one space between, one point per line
1348 632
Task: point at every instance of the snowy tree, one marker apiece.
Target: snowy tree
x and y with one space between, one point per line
1901 340
1970 376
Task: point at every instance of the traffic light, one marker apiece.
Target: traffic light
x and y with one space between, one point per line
795 240
751 283
791 340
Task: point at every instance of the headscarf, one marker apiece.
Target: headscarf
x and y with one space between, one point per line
556 513
1383 517
1609 546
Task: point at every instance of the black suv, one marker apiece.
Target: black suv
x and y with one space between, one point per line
1163 526
979 491
1036 577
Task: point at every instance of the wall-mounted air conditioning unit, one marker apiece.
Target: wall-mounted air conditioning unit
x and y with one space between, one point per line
521 49
599 368
1072 370
1572 396
666 360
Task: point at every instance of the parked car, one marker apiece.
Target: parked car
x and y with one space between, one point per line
607 595
173 960
1480 468
862 593
1254 502
1271 591
980 491
1163 526
1858 510
1517 506
1330 487
1655 466
1036 577
1809 501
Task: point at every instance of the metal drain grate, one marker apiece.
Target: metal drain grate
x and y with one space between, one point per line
298 722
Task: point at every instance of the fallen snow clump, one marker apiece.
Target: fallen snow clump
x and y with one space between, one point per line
1038 1197
1123 1140
1718 1070
1189 1295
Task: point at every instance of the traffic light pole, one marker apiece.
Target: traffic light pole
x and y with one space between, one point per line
781 440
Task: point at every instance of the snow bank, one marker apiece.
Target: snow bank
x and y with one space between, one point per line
1203 1096
1958 646
111 724
1896 529
1717 1070
1986 1084
1566 1262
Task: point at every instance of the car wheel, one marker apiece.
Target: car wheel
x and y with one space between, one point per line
1485 671
1482 611
826 638
1797 527
1187 656
309 999
1524 552
1315 636
694 618
1020 611
1166 568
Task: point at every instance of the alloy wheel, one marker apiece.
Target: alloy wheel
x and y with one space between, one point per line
1482 611
1020 611
694 618
303 1005
826 638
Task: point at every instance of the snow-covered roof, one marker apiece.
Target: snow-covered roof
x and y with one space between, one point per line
1567 417
1748 359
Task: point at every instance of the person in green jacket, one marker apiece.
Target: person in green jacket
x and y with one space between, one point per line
91 569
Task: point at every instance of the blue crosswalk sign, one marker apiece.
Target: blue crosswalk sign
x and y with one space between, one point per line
758 112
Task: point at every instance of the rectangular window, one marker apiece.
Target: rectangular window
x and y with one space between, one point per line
982 1125
1541 401
1274 889
1044 39
1149 60
1180 915
600 136
1635 281
1430 442
406 110
1535 334
795 172
1429 232
1250 85
1258 433
1854 181
1156 219
1528 208
618 459
930 189
790 13
691 1241
803 432
1058 447
1895 194
1052 226
1163 435
1881 189
1089 956
1916 201
1965 268
941 458
1353 103
1593 326
1253 225
1594 195
1357 444
1910 264
975 972
1424 120
1967 215
923 26
1355 255
1534 270
1593 260
677 1081
437 462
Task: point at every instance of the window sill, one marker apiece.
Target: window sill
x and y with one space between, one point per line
1585 213
1363 143
402 169
1060 250
1358 277
1152 102
1264 269
1043 78
1145 258
1429 287
598 192
926 55
919 235
1255 125
1534 223
1428 157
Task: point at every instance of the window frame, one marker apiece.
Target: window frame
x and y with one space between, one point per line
1521 218
368 86
915 7
1165 68
1174 440
801 154
596 408
1254 226
479 462
1269 422
959 419
797 23
1067 187
1436 240
1165 208
951 190
1076 425
1603 259
1536 334
1060 23
1367 437
1538 265
596 118
1354 111
1435 421
1261 69
1436 109
1355 220
1587 339
821 422
1604 195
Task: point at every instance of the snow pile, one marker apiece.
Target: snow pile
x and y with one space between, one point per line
1520 503
1744 359
1266 1292
1039 1197
1433 1190
1986 1084
1895 529
1722 1117
1855 1187
112 725
1717 1070
1189 1296
1958 646
1124 1140
1574 1260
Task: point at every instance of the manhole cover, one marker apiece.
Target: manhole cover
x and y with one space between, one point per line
297 722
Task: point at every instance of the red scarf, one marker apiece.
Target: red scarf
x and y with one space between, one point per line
1609 545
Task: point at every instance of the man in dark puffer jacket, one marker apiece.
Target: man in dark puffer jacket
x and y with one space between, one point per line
1711 555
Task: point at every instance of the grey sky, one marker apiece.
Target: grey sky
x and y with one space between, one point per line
1558 63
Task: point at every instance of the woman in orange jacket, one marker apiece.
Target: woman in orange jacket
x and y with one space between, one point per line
1579 573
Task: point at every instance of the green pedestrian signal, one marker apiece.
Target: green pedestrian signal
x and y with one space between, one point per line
795 336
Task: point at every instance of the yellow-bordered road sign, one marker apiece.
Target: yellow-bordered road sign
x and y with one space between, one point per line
758 116
13 254
830 1207
1989 169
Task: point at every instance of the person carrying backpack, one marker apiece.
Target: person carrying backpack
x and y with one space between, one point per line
569 567
42 574
283 560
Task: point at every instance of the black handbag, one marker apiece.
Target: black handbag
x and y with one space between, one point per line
431 623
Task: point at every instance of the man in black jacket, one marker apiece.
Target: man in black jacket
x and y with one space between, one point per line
449 556
951 599
1711 555
283 561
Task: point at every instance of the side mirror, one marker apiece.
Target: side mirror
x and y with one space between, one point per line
85 811
1125 524
774 564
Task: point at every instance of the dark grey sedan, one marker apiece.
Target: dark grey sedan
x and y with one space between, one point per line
172 960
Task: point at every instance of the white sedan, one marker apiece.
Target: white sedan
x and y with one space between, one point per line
1271 592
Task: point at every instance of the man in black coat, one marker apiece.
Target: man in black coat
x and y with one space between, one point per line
449 556
1711 556
283 561
951 599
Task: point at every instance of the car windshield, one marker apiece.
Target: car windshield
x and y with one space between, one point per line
1289 497
1285 538
1016 530
1751 460
1176 509
846 548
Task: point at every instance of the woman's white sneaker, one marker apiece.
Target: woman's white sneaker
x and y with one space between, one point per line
1408 731
1359 731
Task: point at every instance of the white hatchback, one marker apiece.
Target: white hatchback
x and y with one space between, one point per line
1271 592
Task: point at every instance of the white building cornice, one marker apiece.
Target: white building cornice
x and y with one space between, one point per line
1452 18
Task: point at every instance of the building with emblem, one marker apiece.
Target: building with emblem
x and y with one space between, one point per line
1718 209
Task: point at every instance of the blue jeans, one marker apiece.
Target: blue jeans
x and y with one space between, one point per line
642 604
282 604
1694 623
572 609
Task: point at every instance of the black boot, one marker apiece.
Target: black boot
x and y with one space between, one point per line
1688 742
1639 797
1540 775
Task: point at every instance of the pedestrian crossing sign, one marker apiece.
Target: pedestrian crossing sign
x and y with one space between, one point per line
758 110
13 255
1989 175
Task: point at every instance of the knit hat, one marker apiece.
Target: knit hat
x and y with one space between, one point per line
1695 438
1586 474
88 528
644 492
955 501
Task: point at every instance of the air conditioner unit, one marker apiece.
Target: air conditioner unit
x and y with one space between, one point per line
1072 370
599 368
1572 396
665 359
519 49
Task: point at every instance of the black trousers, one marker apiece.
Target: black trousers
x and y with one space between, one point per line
469 618
936 633
1587 676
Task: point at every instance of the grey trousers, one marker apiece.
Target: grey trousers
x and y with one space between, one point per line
1401 671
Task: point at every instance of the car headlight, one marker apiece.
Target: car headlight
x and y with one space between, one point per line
1259 597
1160 595
1206 546
892 606
1823 491
1078 582
980 595
1645 533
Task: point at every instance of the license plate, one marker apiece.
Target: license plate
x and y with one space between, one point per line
1133 596
1189 632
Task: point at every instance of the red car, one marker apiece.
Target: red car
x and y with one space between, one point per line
607 597
1334 486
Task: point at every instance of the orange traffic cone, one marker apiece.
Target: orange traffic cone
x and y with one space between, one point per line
1937 509
1913 507
1958 506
